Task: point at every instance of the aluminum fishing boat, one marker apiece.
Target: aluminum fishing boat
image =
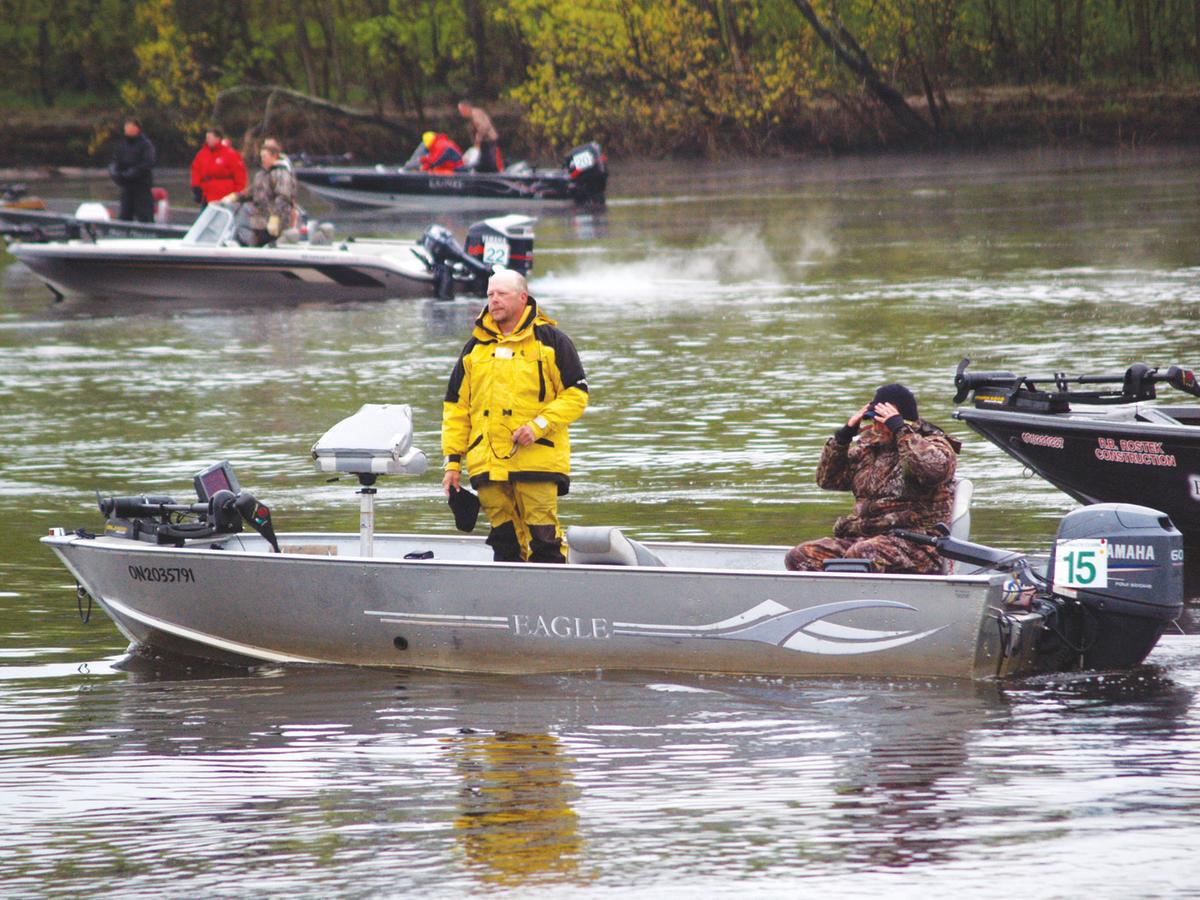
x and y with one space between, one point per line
209 263
582 180
1098 438
187 579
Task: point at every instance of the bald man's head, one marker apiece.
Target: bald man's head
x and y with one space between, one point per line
508 295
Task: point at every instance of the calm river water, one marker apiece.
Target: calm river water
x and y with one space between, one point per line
729 319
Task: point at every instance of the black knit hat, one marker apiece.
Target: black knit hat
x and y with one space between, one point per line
465 506
900 397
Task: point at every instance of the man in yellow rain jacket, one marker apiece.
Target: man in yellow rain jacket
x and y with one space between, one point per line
517 385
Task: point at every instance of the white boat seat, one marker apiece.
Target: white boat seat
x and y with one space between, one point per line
376 440
960 511
960 519
604 545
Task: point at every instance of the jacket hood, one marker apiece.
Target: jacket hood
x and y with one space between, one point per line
486 328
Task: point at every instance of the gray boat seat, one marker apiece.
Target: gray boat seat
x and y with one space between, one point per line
604 545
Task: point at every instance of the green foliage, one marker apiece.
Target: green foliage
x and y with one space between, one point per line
169 79
642 75
687 72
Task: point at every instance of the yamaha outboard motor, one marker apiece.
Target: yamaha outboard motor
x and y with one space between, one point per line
1124 565
505 241
588 167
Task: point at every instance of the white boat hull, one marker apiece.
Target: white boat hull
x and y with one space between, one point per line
172 270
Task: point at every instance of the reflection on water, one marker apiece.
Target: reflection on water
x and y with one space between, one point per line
729 320
516 825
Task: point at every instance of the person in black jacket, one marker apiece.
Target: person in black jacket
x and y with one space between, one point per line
131 168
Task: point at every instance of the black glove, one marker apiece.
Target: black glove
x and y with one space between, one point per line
895 423
197 195
845 434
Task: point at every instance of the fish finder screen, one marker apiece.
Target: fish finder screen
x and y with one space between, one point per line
215 478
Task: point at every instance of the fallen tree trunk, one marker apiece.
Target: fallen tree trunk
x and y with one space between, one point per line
273 91
851 55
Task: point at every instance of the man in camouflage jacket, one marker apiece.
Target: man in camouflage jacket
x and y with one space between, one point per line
901 470
273 193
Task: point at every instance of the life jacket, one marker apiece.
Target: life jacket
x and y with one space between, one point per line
532 376
443 156
218 172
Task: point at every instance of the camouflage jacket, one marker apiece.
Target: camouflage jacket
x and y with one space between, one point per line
905 483
274 194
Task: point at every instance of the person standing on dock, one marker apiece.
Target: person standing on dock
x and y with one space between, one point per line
273 194
901 471
517 385
217 170
483 137
132 169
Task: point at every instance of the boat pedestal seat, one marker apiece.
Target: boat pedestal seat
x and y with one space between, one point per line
376 440
604 545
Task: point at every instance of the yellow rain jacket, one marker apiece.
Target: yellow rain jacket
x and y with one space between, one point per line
501 382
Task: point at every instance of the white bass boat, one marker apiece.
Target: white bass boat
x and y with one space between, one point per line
208 263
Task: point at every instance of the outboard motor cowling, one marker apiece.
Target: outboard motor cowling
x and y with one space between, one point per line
1124 564
505 241
588 167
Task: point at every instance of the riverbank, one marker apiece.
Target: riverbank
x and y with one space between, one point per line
36 143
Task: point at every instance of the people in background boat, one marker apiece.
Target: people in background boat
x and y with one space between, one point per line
132 168
442 155
483 137
273 194
517 386
901 472
217 170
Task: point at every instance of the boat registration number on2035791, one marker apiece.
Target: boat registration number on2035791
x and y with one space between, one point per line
163 574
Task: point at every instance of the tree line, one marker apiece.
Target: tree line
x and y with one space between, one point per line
640 75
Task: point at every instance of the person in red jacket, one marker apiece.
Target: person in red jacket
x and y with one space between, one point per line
217 170
442 155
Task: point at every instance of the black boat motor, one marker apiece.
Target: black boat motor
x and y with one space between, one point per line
1116 575
588 167
447 254
1124 564
503 241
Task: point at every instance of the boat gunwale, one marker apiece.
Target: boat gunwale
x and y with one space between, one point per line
1074 421
113 544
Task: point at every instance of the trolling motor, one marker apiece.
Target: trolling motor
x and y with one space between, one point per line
1006 390
504 241
221 509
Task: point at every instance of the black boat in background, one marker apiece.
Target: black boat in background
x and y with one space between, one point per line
582 180
1107 444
